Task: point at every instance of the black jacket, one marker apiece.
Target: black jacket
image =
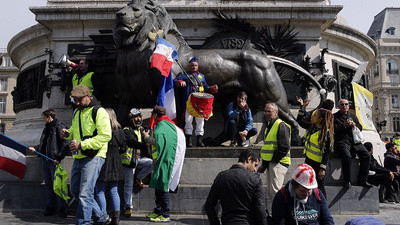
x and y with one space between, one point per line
51 144
240 193
132 141
344 135
375 166
391 162
112 169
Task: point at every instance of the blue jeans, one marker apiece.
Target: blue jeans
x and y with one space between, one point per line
146 166
112 189
48 173
128 186
162 203
84 174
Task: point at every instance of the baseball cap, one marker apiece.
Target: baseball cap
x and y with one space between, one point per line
135 111
80 91
159 110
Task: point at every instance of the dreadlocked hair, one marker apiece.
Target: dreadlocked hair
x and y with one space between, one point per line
325 127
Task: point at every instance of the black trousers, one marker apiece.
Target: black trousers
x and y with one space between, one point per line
346 152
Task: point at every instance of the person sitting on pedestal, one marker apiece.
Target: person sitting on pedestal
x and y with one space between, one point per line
345 122
381 177
239 125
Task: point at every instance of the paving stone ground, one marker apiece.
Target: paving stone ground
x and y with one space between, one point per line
389 214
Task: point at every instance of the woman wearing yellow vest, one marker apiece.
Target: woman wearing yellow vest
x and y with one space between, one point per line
319 142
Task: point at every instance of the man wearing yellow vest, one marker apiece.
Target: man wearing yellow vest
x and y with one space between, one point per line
136 156
86 78
90 133
396 140
275 152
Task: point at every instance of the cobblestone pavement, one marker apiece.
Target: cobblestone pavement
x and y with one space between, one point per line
389 214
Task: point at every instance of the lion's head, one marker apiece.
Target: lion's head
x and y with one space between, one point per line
135 21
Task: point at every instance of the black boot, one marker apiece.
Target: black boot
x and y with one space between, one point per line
115 218
189 140
200 141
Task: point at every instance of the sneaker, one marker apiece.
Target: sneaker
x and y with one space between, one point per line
139 182
128 212
233 143
105 222
246 143
152 215
160 218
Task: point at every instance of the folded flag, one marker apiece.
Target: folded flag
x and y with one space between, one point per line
12 156
171 148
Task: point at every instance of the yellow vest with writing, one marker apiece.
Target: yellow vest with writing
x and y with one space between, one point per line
313 149
271 144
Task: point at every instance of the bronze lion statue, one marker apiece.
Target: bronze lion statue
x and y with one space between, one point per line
232 70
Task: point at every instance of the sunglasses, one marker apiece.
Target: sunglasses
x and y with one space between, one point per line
344 104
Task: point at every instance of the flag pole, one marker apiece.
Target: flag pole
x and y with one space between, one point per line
44 156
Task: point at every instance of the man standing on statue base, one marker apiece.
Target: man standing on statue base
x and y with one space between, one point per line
189 83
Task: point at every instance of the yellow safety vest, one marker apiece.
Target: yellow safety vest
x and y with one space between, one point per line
154 152
102 127
312 148
271 144
397 142
129 154
86 80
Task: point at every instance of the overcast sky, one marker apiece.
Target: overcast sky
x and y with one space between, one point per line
15 15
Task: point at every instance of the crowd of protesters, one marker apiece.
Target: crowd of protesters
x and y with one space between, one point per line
110 159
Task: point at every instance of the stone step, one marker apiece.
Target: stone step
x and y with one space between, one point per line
200 168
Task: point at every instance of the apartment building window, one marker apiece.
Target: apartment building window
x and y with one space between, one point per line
396 124
395 101
391 67
376 102
2 104
3 84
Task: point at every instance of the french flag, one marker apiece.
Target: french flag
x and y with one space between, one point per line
163 58
12 156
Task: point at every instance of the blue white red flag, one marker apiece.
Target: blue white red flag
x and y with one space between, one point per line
12 156
162 59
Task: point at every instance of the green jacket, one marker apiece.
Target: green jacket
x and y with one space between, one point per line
103 126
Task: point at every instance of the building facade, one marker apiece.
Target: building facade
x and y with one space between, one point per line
384 75
8 79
